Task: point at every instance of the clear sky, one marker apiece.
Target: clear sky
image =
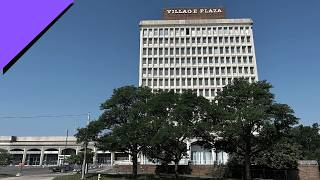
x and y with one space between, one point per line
94 48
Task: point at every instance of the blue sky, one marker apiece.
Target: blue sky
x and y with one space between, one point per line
94 48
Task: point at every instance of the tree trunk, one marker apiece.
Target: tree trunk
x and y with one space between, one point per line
134 164
176 165
247 162
83 172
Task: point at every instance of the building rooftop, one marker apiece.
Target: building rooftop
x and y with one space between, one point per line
195 22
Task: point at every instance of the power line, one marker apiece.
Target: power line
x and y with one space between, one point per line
43 116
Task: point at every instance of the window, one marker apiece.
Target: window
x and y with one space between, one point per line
177 82
251 70
188 71
250 59
144 71
166 73
166 32
206 81
144 61
194 82
160 82
217 71
228 70
160 41
144 82
189 81
155 32
171 82
177 71
187 31
205 71
145 33
183 71
218 81
171 71
200 81
206 94
160 71
155 72
155 82
212 82
234 70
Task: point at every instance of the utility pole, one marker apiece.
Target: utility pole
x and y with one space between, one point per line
84 164
65 149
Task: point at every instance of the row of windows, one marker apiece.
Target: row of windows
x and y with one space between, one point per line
198 40
196 71
197 60
197 50
191 82
151 32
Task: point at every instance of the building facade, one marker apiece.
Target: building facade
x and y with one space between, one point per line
53 150
196 49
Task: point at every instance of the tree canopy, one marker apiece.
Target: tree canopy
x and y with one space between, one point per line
250 120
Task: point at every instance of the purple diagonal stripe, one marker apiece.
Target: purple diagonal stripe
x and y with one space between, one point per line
22 20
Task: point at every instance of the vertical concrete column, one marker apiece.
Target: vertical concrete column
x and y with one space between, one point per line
24 156
129 158
59 153
112 158
189 149
77 150
213 156
41 156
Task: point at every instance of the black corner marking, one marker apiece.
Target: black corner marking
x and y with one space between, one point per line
21 53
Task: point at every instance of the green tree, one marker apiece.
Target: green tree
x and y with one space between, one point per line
85 136
308 137
173 119
282 155
124 119
77 159
5 157
249 120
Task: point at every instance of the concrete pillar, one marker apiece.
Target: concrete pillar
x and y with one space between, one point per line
59 153
24 156
189 150
129 158
41 156
112 158
77 150
213 156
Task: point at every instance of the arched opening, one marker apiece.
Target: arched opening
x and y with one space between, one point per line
17 156
33 157
201 154
50 157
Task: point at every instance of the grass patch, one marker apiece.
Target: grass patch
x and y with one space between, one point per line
125 177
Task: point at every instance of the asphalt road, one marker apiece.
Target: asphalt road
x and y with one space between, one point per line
32 173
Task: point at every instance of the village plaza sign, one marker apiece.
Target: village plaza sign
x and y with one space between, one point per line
193 13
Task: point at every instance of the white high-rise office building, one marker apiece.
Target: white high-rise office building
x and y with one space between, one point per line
196 49
191 49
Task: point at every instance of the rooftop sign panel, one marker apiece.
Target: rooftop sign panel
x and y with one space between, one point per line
193 13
